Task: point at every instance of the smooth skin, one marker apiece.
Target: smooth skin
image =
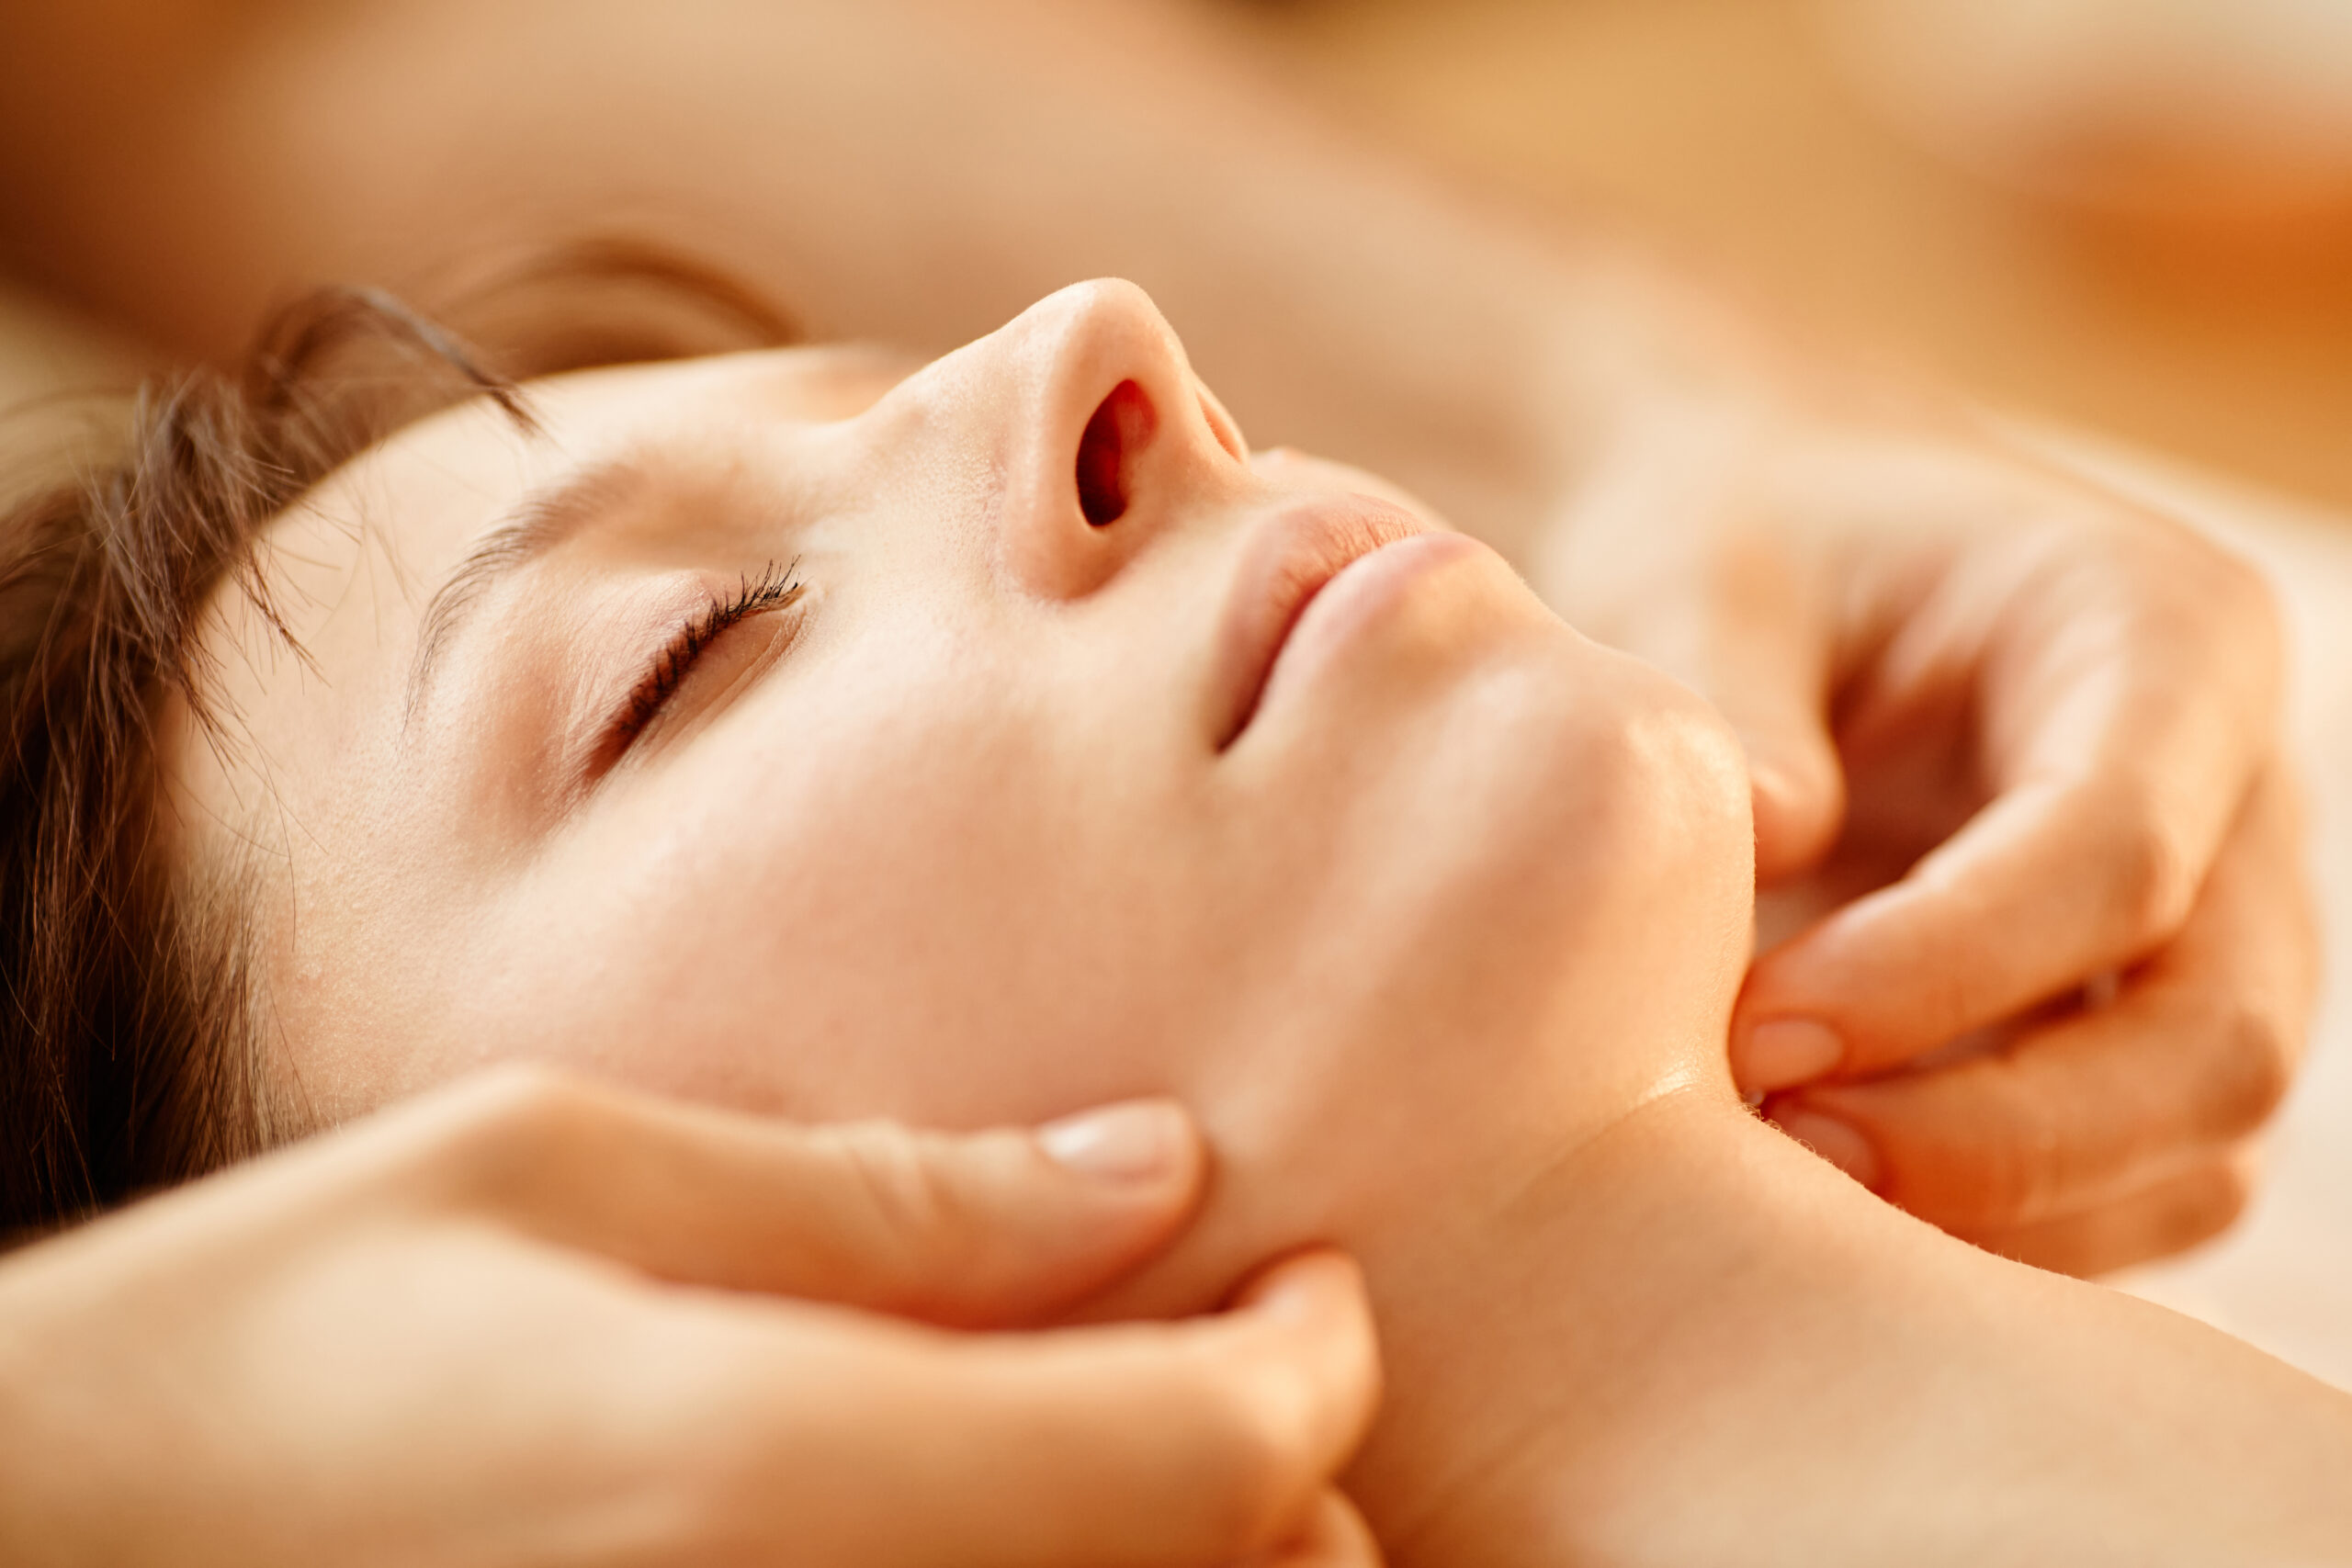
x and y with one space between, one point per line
1871 583
529 1320
1439 933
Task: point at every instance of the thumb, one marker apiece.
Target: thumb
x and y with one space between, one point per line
1335 1536
1745 626
997 1228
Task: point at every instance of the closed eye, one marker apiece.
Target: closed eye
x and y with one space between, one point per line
777 588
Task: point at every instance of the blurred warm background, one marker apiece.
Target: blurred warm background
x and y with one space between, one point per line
2132 215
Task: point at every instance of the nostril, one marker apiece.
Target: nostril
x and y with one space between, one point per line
1119 430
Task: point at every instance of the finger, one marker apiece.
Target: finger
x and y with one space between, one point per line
2194 1054
996 1227
2122 722
1755 641
2191 1206
1765 666
1335 1536
1195 1444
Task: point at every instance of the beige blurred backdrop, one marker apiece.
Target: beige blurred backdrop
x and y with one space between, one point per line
2132 215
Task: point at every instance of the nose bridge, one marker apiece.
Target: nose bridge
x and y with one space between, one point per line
1109 434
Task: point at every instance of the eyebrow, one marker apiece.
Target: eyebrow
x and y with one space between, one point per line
544 520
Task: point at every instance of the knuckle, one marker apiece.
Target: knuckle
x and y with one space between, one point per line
2232 1192
898 1202
2249 1071
2239 595
2203 1206
1241 1464
2246 634
2153 877
516 1100
2012 1182
2003 1166
2216 612
2176 565
1218 1473
508 1126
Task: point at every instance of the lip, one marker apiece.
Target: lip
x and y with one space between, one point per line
1288 565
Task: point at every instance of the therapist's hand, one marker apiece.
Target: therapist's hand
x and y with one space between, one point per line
529 1321
2020 811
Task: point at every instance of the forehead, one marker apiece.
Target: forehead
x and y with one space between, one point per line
419 499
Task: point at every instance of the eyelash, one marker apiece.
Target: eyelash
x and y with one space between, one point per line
775 588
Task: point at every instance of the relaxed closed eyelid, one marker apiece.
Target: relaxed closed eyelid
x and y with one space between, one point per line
777 588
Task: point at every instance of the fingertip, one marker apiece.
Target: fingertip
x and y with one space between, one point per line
1321 1294
1796 793
1310 1310
1776 1053
1833 1139
1335 1536
1314 1284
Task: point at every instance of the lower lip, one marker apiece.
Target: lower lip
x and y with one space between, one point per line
1359 595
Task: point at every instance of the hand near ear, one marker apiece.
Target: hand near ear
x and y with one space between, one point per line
531 1321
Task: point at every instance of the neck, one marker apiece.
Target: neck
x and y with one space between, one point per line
1692 1341
1525 1355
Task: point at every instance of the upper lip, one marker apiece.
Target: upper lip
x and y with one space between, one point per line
1285 566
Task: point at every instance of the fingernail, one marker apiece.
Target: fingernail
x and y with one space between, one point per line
1139 1142
1788 1051
1833 1140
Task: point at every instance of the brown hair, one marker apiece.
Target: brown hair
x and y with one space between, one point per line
131 1040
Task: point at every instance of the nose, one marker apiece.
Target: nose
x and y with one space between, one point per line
1108 437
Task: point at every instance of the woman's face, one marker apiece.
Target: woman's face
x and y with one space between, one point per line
966 747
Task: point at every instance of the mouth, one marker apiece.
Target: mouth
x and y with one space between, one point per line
1290 562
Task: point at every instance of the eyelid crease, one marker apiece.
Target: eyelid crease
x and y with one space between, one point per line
776 589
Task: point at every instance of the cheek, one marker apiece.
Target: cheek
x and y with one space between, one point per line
1646 879
914 905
